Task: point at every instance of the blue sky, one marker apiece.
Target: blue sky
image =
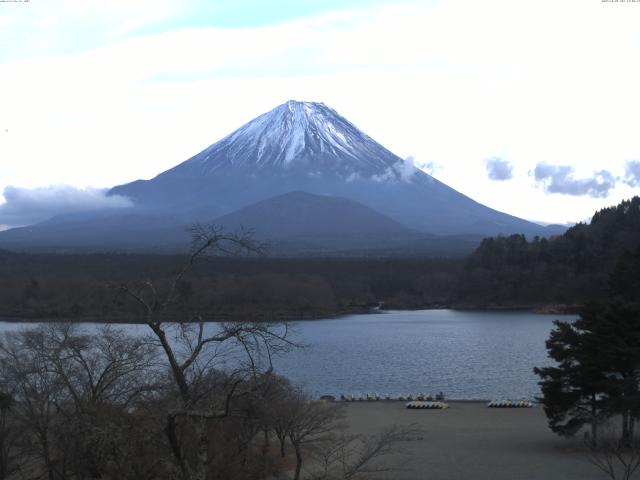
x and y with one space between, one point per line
66 27
253 13
527 107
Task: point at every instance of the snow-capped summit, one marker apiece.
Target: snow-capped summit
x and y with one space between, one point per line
309 147
299 136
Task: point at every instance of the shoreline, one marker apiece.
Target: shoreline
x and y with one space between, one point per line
454 401
546 309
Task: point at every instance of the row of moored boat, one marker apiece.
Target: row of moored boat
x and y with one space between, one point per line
417 404
422 397
510 404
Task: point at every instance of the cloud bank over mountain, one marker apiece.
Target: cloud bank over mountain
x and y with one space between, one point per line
24 206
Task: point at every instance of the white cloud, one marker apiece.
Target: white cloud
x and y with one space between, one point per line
402 171
389 175
432 168
499 169
632 173
56 27
561 179
407 169
24 206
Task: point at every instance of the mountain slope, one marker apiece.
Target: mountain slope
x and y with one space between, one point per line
115 231
351 194
293 224
303 146
305 214
299 221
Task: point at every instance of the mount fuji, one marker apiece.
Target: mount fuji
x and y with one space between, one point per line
299 147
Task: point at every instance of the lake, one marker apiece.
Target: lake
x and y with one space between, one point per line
465 354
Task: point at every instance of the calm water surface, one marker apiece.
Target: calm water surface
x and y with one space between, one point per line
465 354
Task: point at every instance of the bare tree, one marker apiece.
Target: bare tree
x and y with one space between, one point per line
104 375
347 457
10 434
38 391
191 351
278 408
311 422
617 458
72 392
109 367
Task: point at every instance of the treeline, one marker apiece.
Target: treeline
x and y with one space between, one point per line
508 272
83 286
568 269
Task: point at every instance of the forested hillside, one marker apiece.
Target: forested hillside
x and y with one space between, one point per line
567 269
82 286
504 272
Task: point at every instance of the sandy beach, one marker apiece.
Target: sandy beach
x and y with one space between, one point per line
471 441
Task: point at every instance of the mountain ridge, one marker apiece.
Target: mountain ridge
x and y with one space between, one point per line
296 147
308 146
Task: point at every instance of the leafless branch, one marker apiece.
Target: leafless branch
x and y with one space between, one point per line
616 458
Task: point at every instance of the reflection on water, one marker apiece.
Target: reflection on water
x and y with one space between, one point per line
465 354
